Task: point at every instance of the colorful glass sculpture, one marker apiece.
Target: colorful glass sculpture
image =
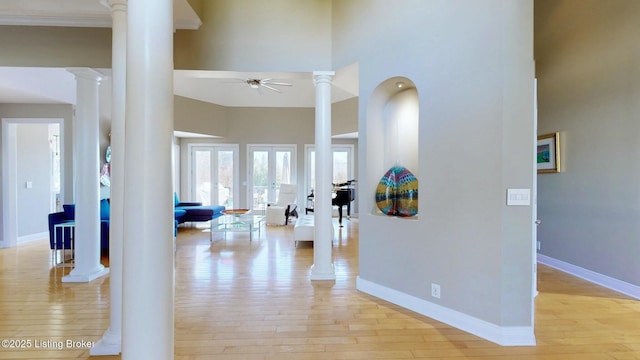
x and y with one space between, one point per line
397 193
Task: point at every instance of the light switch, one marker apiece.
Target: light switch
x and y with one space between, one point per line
518 197
28 184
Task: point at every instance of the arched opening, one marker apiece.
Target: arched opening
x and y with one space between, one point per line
392 142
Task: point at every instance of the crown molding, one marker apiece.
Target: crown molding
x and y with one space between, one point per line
84 21
66 21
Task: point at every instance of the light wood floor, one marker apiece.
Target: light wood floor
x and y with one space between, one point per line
241 300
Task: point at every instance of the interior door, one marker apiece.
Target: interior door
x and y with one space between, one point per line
213 180
269 166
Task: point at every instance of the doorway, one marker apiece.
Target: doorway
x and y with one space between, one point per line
214 174
32 183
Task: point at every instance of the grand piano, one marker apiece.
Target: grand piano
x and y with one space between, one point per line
343 194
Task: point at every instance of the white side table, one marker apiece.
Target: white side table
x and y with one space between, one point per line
65 227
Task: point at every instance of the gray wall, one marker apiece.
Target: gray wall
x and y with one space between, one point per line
34 166
249 35
55 46
587 64
199 117
472 64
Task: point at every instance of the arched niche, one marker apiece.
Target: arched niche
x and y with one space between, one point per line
392 130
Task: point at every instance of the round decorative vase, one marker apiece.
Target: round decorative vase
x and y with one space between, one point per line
386 193
397 193
406 194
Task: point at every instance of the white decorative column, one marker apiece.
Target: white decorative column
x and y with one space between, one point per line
148 263
111 342
87 178
322 268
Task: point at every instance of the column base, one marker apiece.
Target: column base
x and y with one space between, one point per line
110 344
71 278
322 274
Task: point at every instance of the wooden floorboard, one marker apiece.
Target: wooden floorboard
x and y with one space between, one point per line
237 299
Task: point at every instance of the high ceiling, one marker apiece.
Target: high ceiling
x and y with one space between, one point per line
85 13
36 85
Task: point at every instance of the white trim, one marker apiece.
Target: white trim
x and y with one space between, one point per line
591 276
188 24
501 335
9 202
97 21
33 237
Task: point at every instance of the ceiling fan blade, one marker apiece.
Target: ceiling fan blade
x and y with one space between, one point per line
270 87
276 83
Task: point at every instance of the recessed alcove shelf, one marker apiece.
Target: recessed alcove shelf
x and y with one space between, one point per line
392 133
378 213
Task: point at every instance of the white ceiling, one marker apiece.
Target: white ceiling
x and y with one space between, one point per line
229 88
37 86
85 13
56 85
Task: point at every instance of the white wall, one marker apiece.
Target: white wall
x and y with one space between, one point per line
34 167
401 130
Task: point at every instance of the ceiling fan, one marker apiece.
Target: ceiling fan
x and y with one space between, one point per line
265 83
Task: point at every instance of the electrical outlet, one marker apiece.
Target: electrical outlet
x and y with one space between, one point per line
435 290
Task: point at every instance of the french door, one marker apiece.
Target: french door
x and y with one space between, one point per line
342 161
214 174
269 166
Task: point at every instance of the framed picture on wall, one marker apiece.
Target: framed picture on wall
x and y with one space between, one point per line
548 153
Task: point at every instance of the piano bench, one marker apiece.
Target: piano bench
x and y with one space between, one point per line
304 230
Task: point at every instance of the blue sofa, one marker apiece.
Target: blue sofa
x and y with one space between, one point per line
195 211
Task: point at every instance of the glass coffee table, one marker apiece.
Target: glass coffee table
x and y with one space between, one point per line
238 222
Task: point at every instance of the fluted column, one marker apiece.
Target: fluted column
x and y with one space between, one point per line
111 342
87 178
148 278
322 268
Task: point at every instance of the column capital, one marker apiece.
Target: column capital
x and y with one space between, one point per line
86 74
327 73
322 76
115 5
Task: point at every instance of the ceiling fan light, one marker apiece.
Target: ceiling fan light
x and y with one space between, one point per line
254 86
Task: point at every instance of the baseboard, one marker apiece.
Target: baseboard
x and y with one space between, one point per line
32 237
505 336
592 276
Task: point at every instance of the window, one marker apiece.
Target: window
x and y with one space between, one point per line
342 165
214 174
